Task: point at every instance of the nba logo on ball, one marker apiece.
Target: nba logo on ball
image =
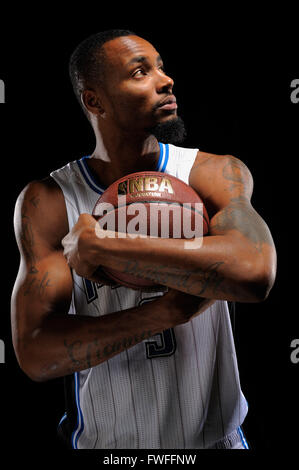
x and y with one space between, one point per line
152 204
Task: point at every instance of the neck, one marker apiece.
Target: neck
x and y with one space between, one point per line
117 157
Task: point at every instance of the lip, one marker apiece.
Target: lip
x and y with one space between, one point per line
168 104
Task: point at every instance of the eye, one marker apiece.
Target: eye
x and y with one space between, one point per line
138 73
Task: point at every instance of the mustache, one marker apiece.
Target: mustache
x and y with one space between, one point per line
169 99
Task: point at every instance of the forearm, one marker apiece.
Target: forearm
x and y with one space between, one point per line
222 268
64 344
236 262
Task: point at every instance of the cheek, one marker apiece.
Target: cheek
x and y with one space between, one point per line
131 104
139 99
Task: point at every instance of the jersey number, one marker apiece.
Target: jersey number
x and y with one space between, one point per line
164 344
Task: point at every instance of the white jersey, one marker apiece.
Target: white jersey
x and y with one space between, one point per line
178 390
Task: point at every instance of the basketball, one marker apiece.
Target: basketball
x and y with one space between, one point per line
150 203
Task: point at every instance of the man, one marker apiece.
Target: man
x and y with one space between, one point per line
142 370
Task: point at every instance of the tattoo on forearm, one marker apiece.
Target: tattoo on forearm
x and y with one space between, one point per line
84 356
195 281
211 279
71 350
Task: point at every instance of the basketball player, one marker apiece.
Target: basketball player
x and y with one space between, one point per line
142 370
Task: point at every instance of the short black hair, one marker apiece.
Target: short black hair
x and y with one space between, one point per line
87 64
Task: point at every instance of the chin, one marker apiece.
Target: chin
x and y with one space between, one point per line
170 130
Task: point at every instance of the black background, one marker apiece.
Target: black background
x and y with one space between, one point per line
232 73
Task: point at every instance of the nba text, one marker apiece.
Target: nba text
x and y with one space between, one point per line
153 220
295 353
2 352
2 91
295 92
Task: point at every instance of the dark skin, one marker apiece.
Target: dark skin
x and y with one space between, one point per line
237 261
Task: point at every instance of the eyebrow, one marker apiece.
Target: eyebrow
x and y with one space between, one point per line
142 59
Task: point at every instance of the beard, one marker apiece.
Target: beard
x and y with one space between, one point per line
170 132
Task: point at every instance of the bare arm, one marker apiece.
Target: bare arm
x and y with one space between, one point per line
48 342
237 261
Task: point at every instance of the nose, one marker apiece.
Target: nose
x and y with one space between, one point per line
164 83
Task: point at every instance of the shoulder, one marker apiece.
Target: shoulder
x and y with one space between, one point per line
224 163
219 178
40 208
44 187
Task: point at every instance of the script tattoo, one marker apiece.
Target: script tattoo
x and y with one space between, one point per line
36 284
97 351
27 236
71 350
194 281
27 239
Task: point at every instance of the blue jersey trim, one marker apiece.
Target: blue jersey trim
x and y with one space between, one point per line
80 423
163 158
88 176
62 419
242 437
159 164
92 181
166 157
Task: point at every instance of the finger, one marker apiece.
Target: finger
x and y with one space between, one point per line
64 241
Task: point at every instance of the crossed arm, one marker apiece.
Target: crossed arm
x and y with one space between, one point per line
236 262
48 342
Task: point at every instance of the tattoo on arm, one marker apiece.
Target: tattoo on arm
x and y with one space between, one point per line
35 284
27 236
195 281
240 216
38 285
96 351
27 239
35 200
237 173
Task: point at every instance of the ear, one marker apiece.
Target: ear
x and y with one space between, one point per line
91 102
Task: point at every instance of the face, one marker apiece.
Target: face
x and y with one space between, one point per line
137 93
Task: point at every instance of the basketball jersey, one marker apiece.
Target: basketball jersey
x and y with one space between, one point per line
179 389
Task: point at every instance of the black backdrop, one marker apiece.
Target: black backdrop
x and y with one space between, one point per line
232 81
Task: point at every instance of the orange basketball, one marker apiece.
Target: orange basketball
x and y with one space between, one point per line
153 204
